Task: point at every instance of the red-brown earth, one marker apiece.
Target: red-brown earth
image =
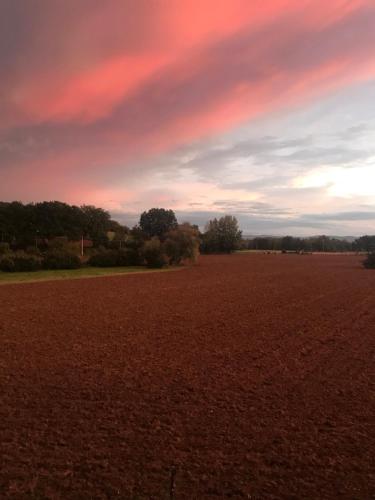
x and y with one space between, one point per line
243 376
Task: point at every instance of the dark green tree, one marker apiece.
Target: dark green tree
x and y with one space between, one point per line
222 235
23 226
97 222
157 222
369 262
364 244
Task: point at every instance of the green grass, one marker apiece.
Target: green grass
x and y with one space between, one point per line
84 272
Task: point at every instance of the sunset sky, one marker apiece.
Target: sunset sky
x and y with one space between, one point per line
263 109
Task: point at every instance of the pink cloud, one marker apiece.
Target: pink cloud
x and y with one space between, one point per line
102 86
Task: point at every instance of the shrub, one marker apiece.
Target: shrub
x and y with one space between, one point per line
153 253
369 262
32 250
20 262
115 258
128 257
104 258
7 264
182 243
25 262
4 248
62 243
61 259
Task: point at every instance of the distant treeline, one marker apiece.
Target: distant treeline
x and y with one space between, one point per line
312 244
26 225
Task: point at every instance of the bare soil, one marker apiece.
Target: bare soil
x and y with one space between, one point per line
245 376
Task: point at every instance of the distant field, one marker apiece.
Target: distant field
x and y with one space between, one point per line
84 272
244 376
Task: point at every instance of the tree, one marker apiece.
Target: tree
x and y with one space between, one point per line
157 222
364 243
222 235
369 262
182 243
153 253
55 219
97 222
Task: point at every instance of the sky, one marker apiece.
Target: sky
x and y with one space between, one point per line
262 109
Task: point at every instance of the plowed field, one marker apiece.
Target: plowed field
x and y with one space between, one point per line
244 376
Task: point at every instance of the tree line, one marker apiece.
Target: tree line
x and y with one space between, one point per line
53 234
311 244
27 225
22 224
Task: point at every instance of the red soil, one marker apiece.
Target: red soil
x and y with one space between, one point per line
244 376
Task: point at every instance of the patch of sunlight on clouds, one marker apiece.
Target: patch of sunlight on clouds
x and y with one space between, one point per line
340 182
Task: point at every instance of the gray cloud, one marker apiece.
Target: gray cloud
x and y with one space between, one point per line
342 216
267 182
271 152
250 207
339 155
